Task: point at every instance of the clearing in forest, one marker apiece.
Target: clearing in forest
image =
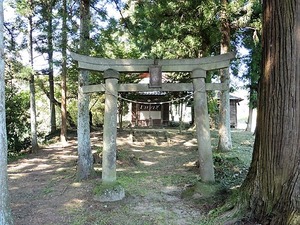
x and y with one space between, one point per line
158 170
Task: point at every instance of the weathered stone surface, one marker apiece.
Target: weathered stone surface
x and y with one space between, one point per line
142 65
110 127
203 130
145 87
111 194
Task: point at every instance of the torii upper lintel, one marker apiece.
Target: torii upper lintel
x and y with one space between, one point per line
142 65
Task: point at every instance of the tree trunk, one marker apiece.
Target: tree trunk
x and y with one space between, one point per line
249 121
63 131
225 143
85 158
50 64
180 117
34 142
121 108
5 212
273 181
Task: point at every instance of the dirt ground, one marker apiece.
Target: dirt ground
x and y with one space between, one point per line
155 169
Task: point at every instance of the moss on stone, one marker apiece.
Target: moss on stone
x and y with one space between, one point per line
107 192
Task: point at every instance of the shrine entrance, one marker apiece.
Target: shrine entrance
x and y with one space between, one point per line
197 68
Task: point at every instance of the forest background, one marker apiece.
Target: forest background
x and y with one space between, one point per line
39 70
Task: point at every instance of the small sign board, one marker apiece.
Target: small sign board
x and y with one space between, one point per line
150 107
155 76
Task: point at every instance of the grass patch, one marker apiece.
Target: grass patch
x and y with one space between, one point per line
230 170
120 216
134 183
102 188
178 179
232 167
14 156
205 190
47 190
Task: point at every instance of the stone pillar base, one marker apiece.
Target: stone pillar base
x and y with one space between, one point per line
109 192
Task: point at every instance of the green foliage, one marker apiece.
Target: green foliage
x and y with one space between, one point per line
72 108
213 110
17 120
97 109
25 72
24 8
158 35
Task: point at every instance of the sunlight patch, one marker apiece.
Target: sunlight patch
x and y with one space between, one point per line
21 167
74 203
137 150
160 152
147 163
191 164
190 143
43 166
76 184
15 177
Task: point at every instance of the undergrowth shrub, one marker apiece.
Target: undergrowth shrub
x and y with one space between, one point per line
17 120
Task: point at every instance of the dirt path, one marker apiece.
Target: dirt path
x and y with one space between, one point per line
154 172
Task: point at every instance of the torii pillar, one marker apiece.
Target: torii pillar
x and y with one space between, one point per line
110 126
202 126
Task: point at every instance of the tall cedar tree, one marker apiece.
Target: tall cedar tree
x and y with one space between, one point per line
85 158
225 143
273 181
5 212
63 131
49 18
34 142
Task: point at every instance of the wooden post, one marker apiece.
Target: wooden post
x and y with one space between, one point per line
202 126
110 126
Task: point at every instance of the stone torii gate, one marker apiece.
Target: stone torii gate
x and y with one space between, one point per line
111 69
